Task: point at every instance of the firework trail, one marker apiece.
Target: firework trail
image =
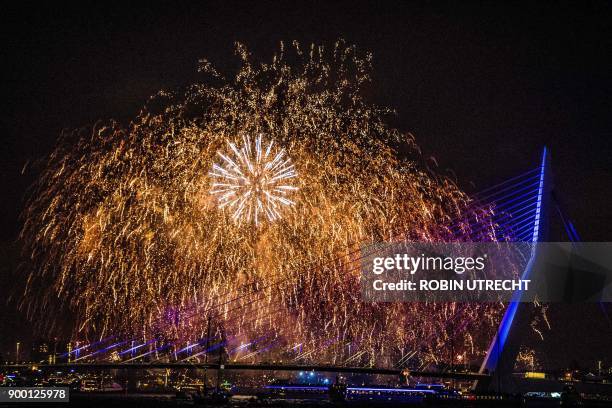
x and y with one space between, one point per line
142 230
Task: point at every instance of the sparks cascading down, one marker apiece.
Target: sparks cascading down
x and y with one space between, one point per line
187 215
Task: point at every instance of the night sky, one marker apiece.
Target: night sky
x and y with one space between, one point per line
482 86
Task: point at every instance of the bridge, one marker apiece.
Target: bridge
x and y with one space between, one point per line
253 367
520 209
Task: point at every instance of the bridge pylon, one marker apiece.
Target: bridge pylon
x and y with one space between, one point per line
504 348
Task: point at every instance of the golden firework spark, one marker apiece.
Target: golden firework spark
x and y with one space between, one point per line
122 227
255 181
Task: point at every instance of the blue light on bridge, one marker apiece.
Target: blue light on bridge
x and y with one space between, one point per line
506 324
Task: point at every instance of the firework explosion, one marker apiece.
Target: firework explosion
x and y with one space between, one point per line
122 227
254 183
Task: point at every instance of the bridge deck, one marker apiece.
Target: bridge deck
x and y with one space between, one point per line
256 367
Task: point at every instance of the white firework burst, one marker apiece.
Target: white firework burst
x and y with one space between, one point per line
253 182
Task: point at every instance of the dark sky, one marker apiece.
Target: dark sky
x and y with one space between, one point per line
482 86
